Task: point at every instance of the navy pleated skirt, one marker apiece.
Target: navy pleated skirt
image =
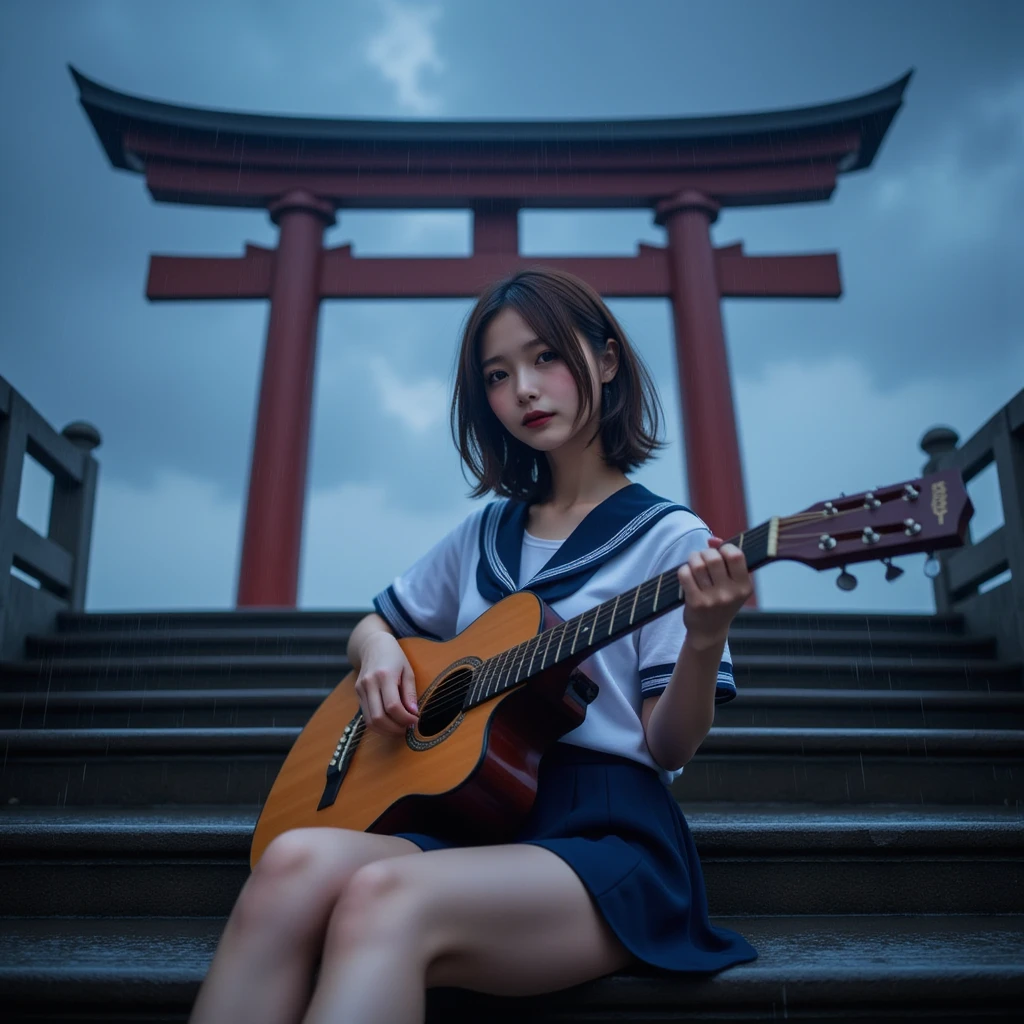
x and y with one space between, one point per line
617 825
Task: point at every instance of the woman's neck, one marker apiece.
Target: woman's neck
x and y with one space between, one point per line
581 479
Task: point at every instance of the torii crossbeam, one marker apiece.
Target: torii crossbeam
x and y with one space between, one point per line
303 170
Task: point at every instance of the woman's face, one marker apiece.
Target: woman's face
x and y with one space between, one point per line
523 377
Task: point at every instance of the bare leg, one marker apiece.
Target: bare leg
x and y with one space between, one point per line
509 920
263 968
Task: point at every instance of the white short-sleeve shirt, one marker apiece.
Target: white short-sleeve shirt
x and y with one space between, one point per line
630 537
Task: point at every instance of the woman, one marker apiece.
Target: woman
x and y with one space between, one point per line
551 410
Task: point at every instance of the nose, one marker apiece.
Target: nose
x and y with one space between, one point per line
526 388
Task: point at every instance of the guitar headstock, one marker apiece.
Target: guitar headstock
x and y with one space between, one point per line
926 514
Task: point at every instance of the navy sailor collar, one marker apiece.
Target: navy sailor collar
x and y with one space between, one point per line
607 530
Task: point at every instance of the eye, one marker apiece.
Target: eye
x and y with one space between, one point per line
548 352
489 378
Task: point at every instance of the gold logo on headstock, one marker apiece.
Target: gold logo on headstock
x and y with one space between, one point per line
940 502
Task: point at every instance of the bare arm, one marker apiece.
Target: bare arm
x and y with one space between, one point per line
365 628
677 720
716 583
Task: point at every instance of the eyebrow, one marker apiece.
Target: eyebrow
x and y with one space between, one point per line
497 359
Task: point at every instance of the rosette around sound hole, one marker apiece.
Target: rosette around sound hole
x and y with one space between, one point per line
445 702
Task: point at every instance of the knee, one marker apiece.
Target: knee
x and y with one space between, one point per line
273 893
378 904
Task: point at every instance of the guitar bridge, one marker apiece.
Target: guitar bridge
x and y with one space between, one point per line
337 769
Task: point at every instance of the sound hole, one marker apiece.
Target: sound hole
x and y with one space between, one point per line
445 702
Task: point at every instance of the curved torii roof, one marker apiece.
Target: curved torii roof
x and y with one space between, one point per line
138 134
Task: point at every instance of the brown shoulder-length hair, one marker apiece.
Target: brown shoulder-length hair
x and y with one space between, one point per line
556 305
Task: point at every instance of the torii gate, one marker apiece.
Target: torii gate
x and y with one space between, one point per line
302 170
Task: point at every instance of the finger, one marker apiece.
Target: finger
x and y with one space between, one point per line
715 542
408 687
394 708
735 563
693 592
715 565
686 581
699 569
378 717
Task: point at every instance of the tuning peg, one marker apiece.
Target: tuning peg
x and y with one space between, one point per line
932 567
846 580
892 572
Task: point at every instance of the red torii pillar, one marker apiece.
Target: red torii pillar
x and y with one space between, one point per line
713 464
272 540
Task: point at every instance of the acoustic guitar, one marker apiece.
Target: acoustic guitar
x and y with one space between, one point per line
495 697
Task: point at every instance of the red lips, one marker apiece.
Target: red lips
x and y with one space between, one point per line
531 416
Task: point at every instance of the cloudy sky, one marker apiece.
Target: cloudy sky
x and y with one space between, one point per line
832 396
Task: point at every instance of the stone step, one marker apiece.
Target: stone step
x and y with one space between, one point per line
274 619
201 671
273 706
53 767
292 640
955 968
872 709
757 859
163 709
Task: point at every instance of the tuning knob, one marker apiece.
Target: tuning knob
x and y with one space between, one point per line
892 572
846 580
932 567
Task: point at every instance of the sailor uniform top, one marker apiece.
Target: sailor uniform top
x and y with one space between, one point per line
630 537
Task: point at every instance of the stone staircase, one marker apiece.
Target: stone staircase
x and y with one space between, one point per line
857 808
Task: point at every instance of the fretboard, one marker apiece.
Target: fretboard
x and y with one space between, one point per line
578 637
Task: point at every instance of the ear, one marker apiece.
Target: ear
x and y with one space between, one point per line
608 361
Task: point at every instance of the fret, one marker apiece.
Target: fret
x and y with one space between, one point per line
479 681
498 669
520 675
535 644
492 682
632 611
611 621
507 667
561 639
547 647
657 591
513 675
643 608
587 631
579 622
508 670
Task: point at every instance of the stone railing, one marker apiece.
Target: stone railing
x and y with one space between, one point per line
58 562
999 610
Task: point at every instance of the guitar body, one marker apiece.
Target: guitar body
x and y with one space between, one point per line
472 778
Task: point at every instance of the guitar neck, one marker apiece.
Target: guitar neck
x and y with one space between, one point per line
572 641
